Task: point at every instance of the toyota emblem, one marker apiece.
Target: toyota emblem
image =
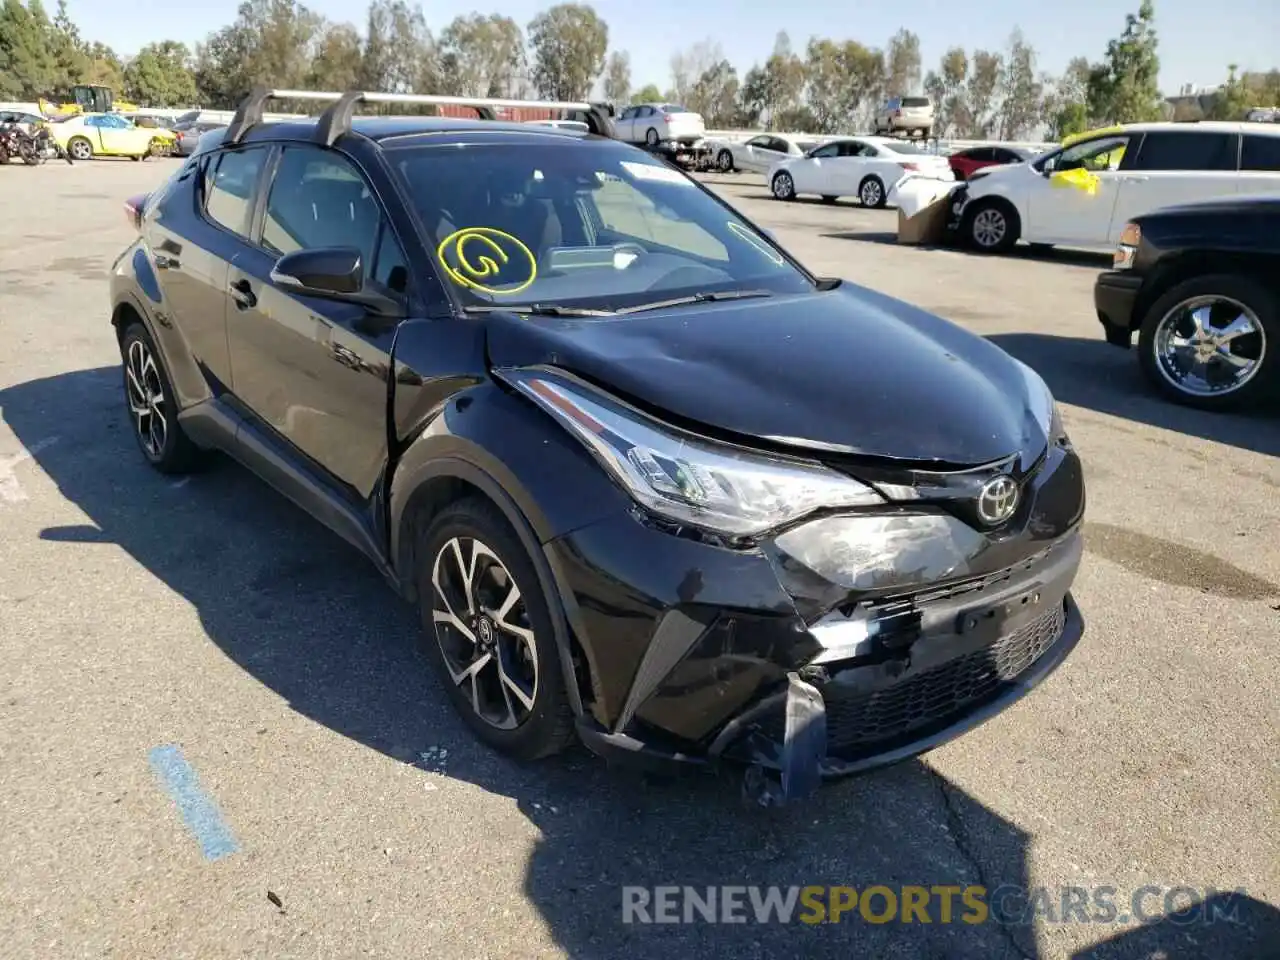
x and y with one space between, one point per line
998 500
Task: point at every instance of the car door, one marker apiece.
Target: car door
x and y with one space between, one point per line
810 173
116 135
314 371
623 125
1073 195
844 173
197 229
755 154
1175 166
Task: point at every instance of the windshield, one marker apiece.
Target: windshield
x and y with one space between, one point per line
597 225
915 101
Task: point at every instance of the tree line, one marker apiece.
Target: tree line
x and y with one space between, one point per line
564 54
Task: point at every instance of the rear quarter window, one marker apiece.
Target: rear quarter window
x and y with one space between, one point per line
1260 152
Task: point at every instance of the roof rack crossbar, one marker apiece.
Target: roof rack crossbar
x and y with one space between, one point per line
336 120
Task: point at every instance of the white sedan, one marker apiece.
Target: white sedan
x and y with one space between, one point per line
760 153
862 167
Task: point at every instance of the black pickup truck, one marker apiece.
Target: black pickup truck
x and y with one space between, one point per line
1200 284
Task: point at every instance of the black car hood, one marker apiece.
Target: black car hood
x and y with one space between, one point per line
849 371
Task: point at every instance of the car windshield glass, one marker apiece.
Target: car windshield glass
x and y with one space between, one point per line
674 108
903 148
586 224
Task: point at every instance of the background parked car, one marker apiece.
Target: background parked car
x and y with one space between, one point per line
1196 282
965 162
110 135
188 134
651 123
862 167
26 121
1082 195
760 153
911 115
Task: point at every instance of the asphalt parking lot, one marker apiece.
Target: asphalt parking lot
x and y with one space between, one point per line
138 613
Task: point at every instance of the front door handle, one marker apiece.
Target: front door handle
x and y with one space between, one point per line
242 293
164 262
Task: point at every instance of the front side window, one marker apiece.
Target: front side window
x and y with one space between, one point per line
597 225
1186 150
318 199
230 187
1102 153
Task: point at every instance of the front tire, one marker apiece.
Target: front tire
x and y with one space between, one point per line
724 162
782 186
1212 343
153 410
80 148
991 226
489 634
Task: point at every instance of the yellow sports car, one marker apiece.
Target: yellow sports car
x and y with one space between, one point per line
110 135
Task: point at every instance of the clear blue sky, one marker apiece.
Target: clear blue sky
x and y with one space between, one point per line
1197 39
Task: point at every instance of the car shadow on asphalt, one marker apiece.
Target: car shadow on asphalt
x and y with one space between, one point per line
1098 376
1059 255
307 616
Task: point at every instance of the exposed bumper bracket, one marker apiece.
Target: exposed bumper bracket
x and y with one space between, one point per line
804 747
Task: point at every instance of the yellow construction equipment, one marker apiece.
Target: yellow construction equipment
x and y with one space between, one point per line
87 98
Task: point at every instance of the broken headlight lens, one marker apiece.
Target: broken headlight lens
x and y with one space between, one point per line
686 478
884 552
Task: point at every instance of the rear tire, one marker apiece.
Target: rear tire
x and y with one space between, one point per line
153 411
469 629
871 192
651 137
1169 317
724 161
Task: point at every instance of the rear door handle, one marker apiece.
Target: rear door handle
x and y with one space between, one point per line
243 295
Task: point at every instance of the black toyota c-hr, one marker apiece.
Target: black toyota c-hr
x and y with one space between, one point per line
648 479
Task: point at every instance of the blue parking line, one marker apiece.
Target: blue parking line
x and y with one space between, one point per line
198 810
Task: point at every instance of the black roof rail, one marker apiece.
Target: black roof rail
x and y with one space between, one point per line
336 120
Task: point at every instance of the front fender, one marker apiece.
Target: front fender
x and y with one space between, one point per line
513 453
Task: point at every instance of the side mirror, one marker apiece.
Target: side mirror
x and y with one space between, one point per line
336 273
322 272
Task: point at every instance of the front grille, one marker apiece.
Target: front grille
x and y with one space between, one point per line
866 723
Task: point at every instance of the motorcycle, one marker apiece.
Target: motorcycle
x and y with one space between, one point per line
33 148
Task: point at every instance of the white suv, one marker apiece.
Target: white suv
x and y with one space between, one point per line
1082 195
910 115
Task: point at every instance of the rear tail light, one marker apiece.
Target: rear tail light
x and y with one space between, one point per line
133 208
909 166
666 118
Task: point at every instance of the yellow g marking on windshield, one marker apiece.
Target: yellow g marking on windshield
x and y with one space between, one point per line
743 233
474 256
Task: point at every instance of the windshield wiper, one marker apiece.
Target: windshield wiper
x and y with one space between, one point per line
708 297
538 310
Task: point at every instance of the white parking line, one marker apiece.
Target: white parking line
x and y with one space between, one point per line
10 490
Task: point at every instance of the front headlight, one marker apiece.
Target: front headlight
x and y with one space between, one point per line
686 478
1127 250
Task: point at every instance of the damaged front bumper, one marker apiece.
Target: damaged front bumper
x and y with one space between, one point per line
694 654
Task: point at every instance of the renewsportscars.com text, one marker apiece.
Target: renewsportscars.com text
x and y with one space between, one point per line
936 904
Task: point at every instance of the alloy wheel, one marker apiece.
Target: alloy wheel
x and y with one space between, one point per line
81 150
1209 346
989 227
783 187
871 193
725 161
145 394
483 629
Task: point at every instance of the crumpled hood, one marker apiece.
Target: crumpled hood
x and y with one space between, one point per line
846 371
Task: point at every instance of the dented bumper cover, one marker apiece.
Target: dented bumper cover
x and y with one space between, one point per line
808 659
